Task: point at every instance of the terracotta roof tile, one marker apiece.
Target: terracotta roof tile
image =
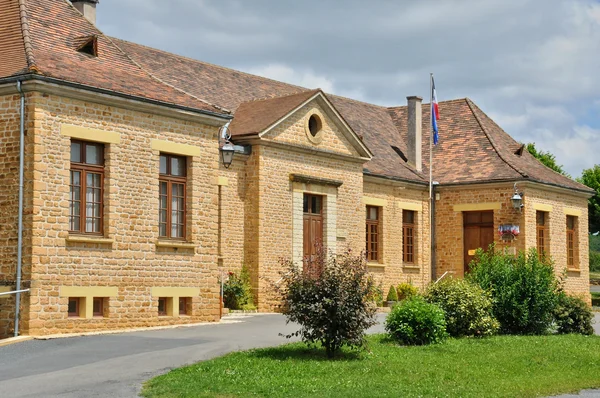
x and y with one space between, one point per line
12 44
255 116
55 30
216 84
43 37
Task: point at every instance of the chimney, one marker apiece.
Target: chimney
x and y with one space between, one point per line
415 134
87 8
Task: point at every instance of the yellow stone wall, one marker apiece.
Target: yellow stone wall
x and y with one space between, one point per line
247 214
449 226
128 257
9 199
559 204
393 199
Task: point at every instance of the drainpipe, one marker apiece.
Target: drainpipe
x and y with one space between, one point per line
20 227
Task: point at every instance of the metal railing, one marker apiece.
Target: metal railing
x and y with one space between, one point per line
14 292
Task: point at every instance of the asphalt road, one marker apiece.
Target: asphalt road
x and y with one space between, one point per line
116 365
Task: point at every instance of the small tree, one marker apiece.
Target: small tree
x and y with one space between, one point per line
546 158
329 298
392 295
591 178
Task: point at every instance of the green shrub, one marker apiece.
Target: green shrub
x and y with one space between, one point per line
392 296
524 289
376 294
594 243
237 291
467 307
406 290
416 322
573 315
594 261
330 301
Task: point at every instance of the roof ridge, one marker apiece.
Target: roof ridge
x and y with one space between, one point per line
209 63
470 104
427 103
30 58
315 90
160 80
358 101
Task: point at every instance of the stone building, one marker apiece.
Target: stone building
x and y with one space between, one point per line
129 215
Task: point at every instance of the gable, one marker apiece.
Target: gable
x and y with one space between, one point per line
312 126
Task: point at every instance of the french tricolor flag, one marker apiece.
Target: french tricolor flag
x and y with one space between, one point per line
435 112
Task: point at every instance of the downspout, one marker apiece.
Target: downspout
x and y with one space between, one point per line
20 224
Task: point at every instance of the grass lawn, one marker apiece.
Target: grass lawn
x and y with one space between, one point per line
594 275
503 366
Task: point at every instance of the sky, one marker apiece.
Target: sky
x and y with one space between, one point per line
533 66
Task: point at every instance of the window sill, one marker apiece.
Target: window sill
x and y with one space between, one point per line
415 267
375 265
89 239
175 244
574 270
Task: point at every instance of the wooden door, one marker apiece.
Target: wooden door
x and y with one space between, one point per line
312 227
478 233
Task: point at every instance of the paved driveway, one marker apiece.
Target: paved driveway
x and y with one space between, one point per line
116 365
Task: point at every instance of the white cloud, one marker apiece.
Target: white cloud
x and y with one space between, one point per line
284 73
530 64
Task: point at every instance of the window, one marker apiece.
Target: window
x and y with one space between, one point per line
171 219
541 231
572 242
98 306
408 236
74 306
87 178
162 306
373 238
183 305
314 125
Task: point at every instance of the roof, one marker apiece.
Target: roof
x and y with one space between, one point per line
42 37
12 42
253 117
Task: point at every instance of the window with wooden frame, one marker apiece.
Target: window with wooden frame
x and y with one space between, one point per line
408 236
541 218
572 243
183 305
86 188
73 310
98 307
162 306
172 197
373 237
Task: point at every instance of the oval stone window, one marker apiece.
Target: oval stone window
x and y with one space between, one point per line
314 125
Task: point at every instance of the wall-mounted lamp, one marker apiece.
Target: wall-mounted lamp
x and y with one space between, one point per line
517 199
228 149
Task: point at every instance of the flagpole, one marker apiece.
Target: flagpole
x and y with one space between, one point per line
431 137
431 204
